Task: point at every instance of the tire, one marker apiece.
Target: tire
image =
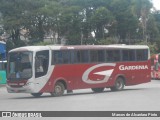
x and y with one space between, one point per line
58 89
119 84
36 94
97 90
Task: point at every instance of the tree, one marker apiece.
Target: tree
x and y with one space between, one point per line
112 21
36 18
142 9
11 13
125 24
101 19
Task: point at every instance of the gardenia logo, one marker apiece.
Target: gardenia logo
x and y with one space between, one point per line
137 67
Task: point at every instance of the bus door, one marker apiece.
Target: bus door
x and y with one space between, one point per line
41 68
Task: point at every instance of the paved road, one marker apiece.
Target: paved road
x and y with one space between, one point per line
139 97
144 97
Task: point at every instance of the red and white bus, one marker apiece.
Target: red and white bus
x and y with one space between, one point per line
54 69
155 66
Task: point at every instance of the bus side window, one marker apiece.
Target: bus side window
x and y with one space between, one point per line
77 56
94 56
113 55
97 56
61 57
81 56
101 56
57 57
66 56
142 55
72 56
117 55
84 56
128 55
109 55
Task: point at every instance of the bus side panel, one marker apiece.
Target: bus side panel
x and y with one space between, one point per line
135 72
69 73
89 76
74 74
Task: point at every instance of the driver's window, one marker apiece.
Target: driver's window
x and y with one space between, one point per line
41 63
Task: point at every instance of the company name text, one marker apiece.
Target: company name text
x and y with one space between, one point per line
135 67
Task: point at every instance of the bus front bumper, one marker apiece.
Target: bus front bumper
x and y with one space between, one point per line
28 88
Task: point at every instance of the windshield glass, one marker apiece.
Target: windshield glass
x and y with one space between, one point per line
20 65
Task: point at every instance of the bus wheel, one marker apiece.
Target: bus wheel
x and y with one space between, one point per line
58 89
119 84
97 90
36 94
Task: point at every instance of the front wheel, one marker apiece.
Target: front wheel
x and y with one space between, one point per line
58 89
97 90
119 84
36 94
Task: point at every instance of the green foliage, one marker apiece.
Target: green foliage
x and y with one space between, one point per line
112 21
153 46
107 41
42 43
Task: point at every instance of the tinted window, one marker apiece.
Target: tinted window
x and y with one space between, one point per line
73 56
61 57
94 56
84 56
81 56
128 55
142 55
97 55
66 57
112 55
57 57
101 55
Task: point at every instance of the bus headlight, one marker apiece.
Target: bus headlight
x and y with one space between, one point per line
28 84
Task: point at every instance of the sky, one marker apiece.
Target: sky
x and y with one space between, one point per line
156 4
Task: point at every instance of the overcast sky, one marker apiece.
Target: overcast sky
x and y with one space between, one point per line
156 4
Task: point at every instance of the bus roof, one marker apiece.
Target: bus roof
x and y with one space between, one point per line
79 47
1 42
101 47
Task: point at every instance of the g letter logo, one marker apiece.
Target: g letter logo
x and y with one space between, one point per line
106 73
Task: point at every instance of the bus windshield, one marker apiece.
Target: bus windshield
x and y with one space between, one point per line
20 65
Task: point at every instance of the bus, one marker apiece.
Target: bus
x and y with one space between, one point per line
155 66
3 67
2 50
57 69
3 62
